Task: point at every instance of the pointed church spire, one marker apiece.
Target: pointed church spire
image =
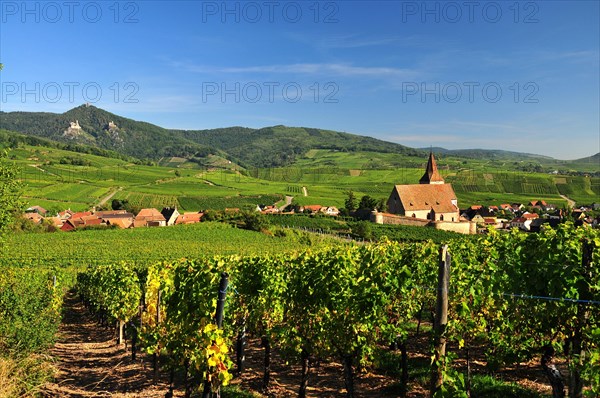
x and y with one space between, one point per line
431 176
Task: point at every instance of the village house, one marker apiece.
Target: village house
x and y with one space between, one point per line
36 209
521 223
149 218
79 221
57 222
517 207
312 209
270 209
65 214
477 214
330 210
122 223
189 218
170 214
120 218
34 217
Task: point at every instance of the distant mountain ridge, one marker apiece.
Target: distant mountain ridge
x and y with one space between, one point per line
266 147
274 146
487 153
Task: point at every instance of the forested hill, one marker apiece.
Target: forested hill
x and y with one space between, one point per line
281 145
487 154
266 147
126 136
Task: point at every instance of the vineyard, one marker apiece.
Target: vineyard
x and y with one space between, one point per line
517 297
57 179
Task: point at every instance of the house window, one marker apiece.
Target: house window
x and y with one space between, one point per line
442 217
452 219
414 215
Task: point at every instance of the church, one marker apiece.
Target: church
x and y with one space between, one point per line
432 199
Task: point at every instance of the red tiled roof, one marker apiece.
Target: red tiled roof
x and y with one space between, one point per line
120 222
438 197
313 207
91 220
189 218
35 217
81 214
147 216
38 209
57 221
150 214
530 216
68 225
112 213
65 214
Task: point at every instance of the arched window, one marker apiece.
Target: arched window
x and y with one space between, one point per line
414 215
442 217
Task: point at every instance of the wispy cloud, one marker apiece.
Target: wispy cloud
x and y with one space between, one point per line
420 139
336 69
356 40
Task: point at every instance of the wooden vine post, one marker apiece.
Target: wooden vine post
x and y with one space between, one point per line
207 393
155 355
577 352
441 320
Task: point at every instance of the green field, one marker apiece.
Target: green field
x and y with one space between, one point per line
149 244
55 179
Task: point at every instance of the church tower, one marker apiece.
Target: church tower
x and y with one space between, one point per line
432 175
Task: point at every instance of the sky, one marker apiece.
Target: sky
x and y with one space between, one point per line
514 75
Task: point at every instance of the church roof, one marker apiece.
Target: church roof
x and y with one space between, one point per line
432 174
416 197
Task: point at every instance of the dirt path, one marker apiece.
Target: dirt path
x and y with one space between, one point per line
108 197
37 166
90 364
570 201
288 201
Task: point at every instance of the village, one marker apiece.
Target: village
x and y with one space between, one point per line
430 203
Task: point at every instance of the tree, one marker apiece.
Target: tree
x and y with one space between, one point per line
255 221
10 193
382 205
350 203
118 204
367 203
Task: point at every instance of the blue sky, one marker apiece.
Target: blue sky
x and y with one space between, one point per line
520 76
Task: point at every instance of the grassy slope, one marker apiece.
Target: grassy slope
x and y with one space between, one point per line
149 244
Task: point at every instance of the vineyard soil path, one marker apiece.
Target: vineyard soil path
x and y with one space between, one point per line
90 364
